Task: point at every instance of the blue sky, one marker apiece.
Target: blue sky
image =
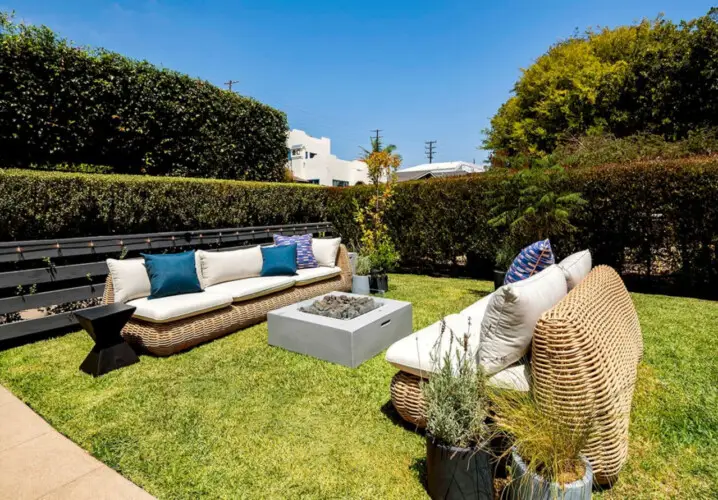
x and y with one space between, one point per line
419 70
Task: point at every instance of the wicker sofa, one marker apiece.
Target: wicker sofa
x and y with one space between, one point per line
584 357
168 337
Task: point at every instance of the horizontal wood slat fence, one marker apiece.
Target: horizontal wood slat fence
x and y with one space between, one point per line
84 280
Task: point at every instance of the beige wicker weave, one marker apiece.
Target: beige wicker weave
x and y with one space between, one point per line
163 339
585 355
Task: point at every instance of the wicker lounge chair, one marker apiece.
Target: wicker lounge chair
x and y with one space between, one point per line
163 339
585 354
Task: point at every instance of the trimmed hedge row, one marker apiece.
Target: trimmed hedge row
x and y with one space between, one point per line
650 219
42 205
65 104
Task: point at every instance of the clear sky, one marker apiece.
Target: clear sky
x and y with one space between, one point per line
419 70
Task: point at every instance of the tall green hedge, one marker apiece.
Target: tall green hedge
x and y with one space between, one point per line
41 205
656 219
65 104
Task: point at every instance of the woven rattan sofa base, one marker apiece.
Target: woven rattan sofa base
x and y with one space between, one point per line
585 357
163 339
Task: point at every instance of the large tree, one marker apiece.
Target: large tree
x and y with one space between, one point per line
654 77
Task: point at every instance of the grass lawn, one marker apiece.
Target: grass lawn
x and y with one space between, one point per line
237 418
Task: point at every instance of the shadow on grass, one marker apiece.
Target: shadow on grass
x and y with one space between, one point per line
390 412
479 293
418 467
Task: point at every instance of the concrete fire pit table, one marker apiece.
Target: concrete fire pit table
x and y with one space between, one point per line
348 342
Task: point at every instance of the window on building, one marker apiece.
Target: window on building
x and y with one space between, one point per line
312 155
313 181
296 152
306 155
338 183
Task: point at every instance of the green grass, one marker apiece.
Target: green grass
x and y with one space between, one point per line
237 418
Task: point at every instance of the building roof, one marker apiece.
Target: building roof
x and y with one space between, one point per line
445 169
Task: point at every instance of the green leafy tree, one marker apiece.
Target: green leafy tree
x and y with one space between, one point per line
655 77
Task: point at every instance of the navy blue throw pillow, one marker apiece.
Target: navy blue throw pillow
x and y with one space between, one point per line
279 261
171 274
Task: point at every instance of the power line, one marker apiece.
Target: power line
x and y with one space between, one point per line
429 150
229 84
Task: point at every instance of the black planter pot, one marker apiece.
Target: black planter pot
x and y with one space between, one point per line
499 279
457 473
378 283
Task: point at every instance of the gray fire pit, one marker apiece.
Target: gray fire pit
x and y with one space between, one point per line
348 342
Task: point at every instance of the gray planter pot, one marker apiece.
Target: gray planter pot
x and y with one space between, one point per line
529 486
360 285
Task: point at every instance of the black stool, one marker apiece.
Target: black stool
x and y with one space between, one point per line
104 324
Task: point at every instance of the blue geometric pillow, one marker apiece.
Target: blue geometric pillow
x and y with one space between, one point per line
305 255
531 260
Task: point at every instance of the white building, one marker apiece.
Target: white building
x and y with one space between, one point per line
311 160
445 169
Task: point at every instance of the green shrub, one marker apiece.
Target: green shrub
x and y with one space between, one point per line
62 104
40 205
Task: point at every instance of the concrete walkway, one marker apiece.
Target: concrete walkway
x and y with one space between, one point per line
37 462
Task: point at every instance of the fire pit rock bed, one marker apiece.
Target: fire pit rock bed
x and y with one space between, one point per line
341 306
348 342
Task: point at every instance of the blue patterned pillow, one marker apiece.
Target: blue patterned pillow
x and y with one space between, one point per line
305 255
531 260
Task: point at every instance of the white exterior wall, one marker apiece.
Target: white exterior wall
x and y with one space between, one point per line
323 166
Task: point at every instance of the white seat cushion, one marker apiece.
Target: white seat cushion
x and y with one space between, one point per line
478 308
314 274
416 353
576 267
167 309
515 378
511 315
325 250
220 267
129 279
251 288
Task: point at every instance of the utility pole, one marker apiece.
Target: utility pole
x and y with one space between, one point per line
377 140
429 150
229 84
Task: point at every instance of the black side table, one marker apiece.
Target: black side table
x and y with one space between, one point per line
104 324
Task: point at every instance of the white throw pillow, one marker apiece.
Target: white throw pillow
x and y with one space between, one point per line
576 267
325 250
129 279
218 267
511 315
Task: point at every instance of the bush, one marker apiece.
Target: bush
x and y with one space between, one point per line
61 104
654 218
41 205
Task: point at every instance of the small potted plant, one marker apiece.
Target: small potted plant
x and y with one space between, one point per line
382 260
545 454
360 278
457 436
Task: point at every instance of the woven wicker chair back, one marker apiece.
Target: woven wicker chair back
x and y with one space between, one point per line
584 359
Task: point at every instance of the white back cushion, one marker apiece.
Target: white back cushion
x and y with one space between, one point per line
325 250
129 279
218 267
575 267
511 315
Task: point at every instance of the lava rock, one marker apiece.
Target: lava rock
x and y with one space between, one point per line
341 306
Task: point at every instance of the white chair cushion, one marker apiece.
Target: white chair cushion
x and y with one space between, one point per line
219 267
478 308
515 378
129 279
252 288
314 274
325 250
167 309
575 267
416 353
511 315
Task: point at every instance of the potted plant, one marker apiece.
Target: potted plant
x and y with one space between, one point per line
457 436
360 278
545 454
375 240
